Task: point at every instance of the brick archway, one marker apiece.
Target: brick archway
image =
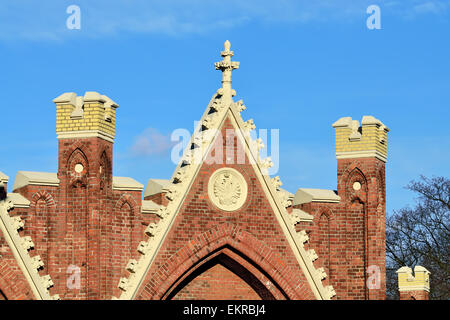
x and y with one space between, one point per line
256 284
233 244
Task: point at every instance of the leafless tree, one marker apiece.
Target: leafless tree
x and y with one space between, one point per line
420 236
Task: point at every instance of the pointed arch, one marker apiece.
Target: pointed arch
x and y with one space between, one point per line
42 220
105 171
125 233
324 246
76 178
234 263
267 264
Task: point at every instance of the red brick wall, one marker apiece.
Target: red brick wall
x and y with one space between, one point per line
86 223
414 295
83 222
13 285
354 236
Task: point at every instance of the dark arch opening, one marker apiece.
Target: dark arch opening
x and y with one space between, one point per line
232 266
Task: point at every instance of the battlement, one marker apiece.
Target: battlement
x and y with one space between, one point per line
91 115
361 141
419 282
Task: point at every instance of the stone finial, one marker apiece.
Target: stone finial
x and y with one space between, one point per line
226 66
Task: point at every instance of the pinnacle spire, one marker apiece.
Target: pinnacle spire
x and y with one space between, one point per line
226 66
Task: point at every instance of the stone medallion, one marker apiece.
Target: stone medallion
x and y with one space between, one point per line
227 189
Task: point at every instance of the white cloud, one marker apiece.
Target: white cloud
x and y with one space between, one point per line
151 142
46 19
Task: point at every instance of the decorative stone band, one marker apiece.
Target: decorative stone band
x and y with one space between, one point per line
19 247
361 154
420 281
85 134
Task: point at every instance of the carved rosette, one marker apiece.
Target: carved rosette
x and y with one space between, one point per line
227 189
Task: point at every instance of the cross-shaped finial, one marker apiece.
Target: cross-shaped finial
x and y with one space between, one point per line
226 66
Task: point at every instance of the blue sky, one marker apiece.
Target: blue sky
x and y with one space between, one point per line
304 64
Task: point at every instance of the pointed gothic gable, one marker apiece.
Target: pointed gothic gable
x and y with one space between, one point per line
225 219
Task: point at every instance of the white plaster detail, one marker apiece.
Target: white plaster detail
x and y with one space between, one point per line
17 223
36 262
302 236
356 186
329 292
249 125
79 168
143 247
123 284
312 255
277 182
132 265
240 106
152 229
321 273
227 189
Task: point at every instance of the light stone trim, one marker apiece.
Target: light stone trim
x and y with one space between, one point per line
178 190
126 184
3 178
298 215
19 247
18 200
25 178
148 207
155 186
85 134
361 154
89 96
